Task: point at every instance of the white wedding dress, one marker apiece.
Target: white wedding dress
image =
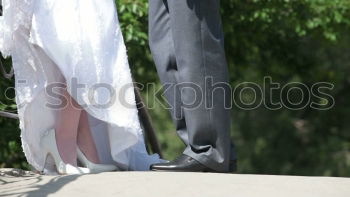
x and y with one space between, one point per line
56 41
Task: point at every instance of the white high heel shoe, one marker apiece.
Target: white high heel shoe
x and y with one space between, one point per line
93 167
48 142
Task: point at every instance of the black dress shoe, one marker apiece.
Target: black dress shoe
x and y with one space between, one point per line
183 163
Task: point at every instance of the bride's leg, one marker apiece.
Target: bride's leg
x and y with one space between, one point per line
67 129
85 139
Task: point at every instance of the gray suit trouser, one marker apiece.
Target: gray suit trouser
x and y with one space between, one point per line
187 44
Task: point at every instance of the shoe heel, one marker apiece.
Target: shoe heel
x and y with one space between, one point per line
48 143
50 166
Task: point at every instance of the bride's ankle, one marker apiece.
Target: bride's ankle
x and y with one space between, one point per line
69 157
89 153
67 149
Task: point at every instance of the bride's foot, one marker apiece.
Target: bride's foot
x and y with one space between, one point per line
87 152
48 143
94 167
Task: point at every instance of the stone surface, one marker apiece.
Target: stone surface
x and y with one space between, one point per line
161 184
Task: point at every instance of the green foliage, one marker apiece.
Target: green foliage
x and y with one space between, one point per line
11 153
133 17
304 41
289 40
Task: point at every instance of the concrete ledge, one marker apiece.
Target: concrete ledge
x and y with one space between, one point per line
161 184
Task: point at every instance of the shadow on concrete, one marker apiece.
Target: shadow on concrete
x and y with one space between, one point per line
53 186
34 186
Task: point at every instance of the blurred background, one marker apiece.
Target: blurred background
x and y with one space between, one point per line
305 41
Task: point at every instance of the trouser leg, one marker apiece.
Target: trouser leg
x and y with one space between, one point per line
162 47
188 34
